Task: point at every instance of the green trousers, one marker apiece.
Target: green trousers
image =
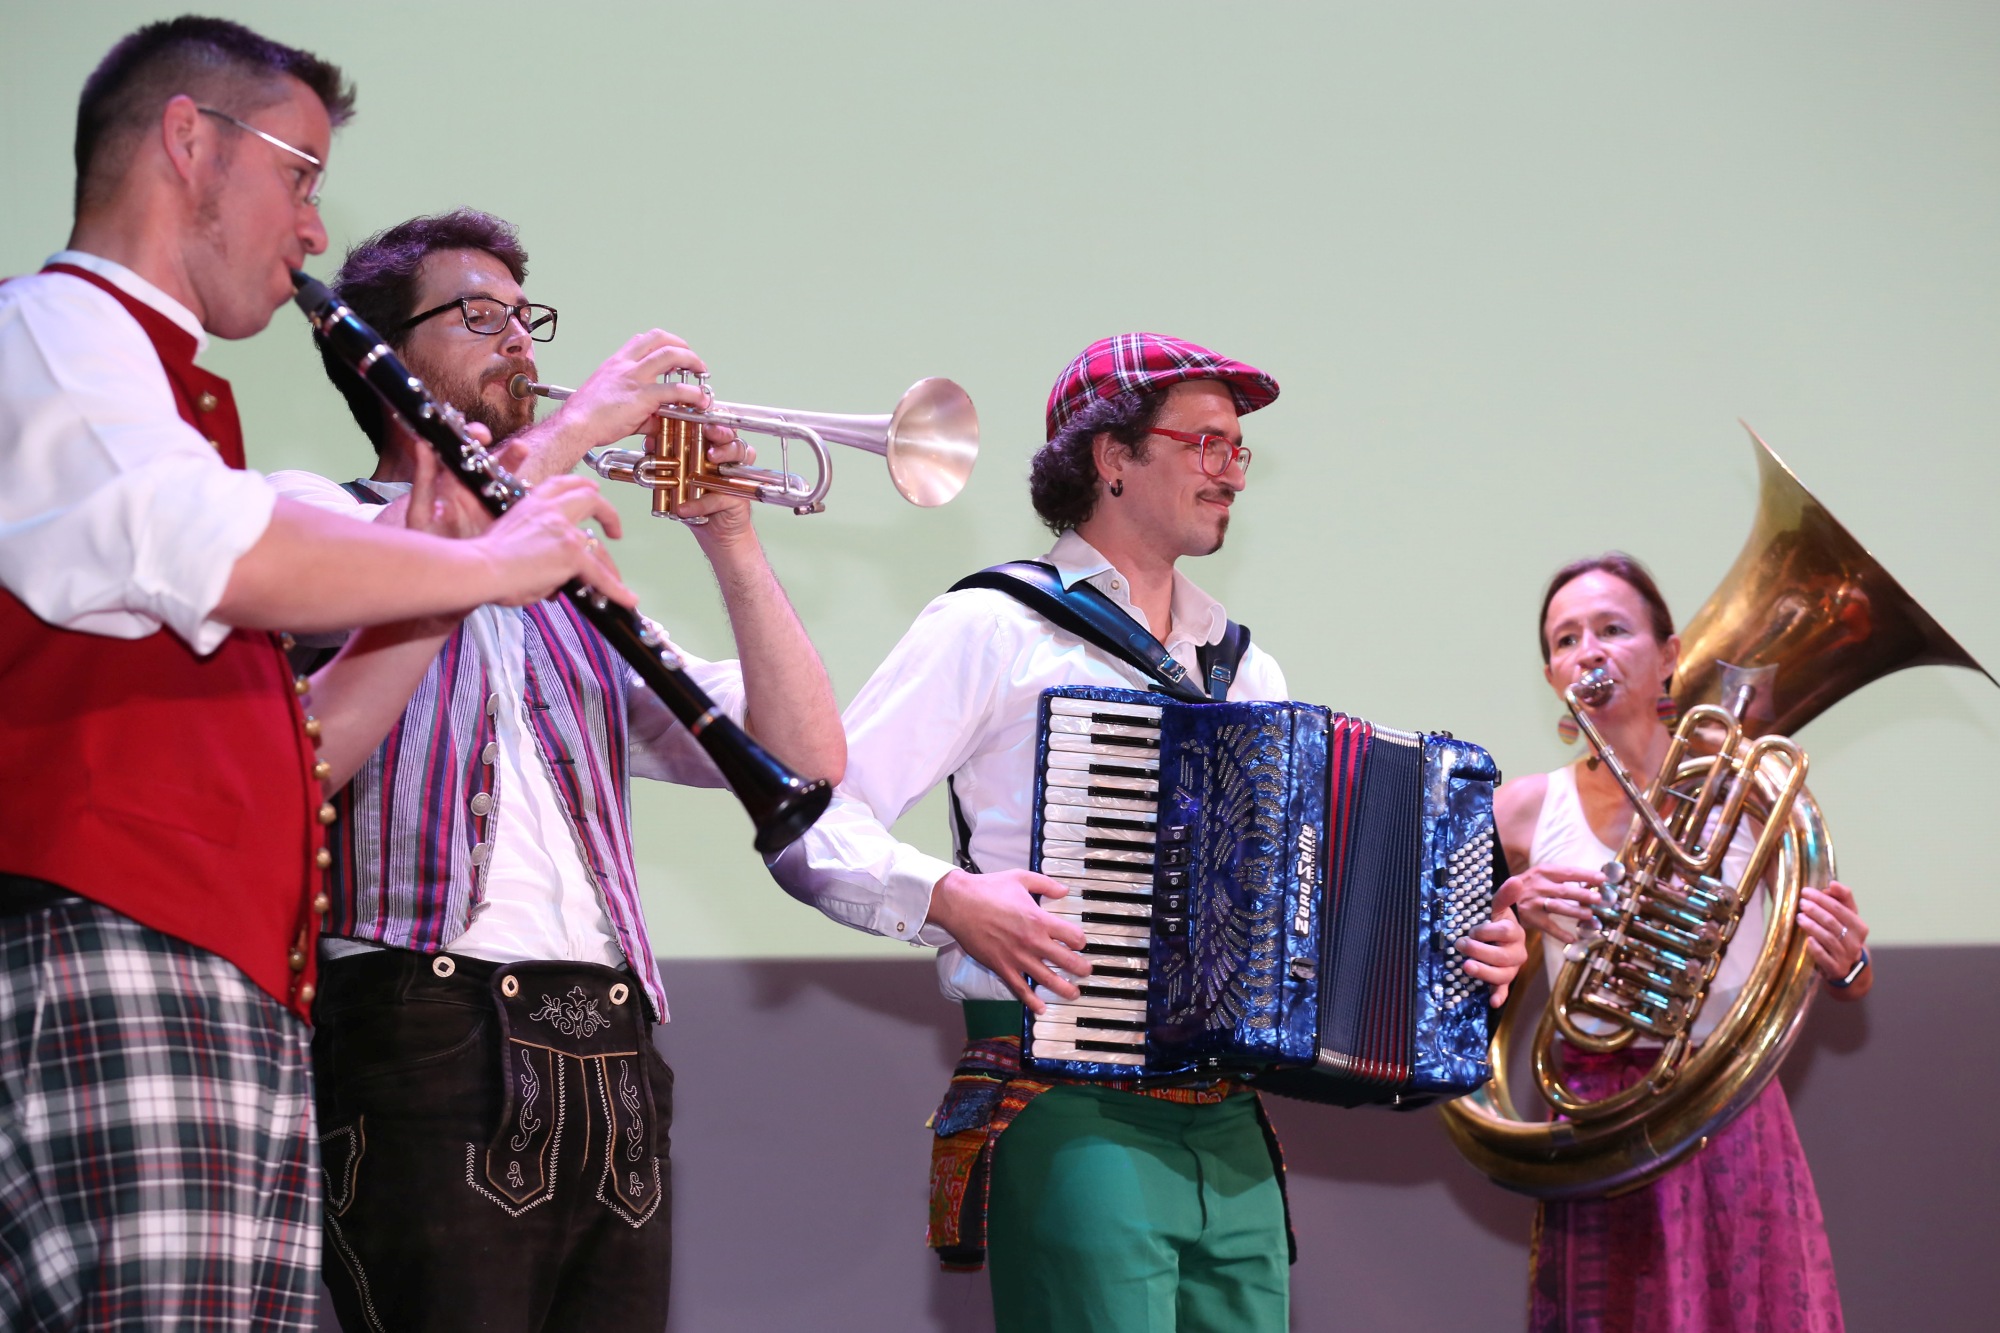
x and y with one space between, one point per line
1116 1213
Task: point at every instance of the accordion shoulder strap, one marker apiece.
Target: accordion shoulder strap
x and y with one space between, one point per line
1091 616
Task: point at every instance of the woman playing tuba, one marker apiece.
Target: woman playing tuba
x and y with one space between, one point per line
1732 1238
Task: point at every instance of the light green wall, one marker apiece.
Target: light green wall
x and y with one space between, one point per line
1520 270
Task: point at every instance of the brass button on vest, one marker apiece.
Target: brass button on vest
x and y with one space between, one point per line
296 960
206 402
306 993
323 858
322 904
326 814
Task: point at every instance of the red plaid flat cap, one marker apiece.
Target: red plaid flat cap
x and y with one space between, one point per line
1129 361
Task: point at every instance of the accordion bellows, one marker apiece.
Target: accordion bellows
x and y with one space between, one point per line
1266 888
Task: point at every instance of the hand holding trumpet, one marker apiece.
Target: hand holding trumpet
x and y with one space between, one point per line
622 397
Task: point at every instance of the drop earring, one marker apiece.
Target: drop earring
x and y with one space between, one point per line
1118 486
1566 729
1666 710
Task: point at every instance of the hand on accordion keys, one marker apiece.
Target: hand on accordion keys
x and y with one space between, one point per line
1495 953
997 920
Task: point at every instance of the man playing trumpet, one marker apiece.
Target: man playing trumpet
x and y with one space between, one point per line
494 1116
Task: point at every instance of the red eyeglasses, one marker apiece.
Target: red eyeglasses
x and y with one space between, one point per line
1217 452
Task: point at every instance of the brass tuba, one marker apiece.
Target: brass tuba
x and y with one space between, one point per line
1805 617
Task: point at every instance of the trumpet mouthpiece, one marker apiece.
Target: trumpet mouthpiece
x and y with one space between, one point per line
521 386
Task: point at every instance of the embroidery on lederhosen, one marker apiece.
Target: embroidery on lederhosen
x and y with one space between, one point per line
520 1167
575 1015
630 1184
986 1094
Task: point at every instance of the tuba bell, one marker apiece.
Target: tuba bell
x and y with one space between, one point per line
1805 617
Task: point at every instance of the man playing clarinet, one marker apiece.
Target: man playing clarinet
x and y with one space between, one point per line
162 774
1111 1206
493 1112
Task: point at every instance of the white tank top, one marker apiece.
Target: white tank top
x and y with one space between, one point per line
1564 837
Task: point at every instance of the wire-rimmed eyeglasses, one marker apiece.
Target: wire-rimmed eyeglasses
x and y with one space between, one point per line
309 183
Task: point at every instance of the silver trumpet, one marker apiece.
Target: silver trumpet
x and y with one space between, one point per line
931 441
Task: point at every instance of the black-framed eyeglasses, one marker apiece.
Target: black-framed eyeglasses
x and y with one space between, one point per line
1217 451
483 314
309 182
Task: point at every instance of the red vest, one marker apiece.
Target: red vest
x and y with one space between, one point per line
172 788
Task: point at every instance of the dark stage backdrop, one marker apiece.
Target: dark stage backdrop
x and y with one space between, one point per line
800 1157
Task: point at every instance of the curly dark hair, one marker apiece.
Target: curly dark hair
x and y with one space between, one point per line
218 63
1620 566
1063 483
378 280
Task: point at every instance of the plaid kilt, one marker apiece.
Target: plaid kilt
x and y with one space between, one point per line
158 1166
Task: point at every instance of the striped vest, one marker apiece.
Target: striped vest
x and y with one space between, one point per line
411 863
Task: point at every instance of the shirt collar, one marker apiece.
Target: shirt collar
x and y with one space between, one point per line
139 289
1198 618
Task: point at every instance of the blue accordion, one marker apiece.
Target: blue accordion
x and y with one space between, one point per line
1270 889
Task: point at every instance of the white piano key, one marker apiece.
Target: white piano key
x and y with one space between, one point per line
1099 981
1082 814
1086 832
1086 726
1081 798
1067 869
1062 706
1065 850
1049 1027
1124 1023
1070 752
1124 937
1074 906
1064 1050
1110 782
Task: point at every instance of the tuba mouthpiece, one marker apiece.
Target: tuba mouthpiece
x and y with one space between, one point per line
1595 686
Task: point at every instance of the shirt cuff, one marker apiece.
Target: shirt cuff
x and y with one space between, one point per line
906 897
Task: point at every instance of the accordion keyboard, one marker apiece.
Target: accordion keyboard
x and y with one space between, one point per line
1099 810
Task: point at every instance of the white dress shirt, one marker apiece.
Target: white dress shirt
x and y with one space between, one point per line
116 517
958 697
537 902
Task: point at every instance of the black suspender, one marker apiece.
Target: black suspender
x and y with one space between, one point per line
1095 618
1091 616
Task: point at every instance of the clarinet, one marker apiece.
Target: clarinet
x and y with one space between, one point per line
782 805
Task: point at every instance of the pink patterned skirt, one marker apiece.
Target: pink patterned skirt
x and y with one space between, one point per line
1730 1241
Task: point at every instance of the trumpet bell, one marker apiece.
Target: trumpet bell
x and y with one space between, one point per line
932 443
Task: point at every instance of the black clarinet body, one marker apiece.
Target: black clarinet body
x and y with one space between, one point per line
782 805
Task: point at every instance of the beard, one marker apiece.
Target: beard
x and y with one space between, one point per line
469 395
1222 523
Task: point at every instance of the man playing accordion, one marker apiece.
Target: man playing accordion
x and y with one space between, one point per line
1102 1206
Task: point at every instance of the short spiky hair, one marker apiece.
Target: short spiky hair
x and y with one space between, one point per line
378 280
214 61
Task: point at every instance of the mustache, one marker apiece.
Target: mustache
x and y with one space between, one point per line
510 367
